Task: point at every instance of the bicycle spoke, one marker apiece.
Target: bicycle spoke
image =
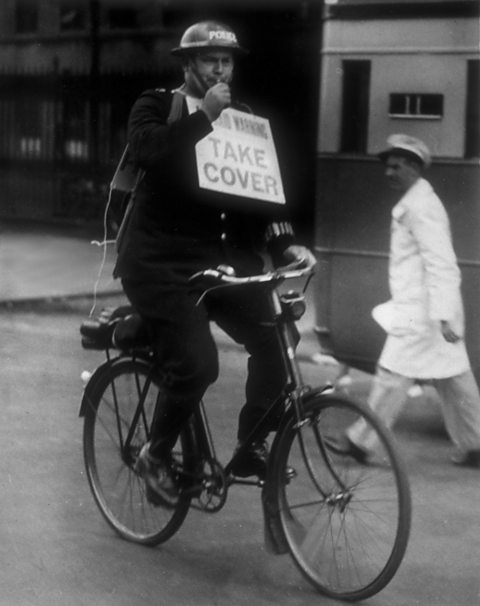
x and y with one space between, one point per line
346 523
122 406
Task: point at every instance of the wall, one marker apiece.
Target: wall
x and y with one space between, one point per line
407 56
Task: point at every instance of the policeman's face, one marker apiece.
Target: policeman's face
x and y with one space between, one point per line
401 173
212 66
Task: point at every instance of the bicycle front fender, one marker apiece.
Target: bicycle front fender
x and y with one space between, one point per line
326 390
275 540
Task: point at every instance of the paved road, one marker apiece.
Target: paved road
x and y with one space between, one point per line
55 548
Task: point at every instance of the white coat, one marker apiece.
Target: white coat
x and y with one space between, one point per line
424 281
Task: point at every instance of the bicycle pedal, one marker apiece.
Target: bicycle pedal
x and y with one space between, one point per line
233 479
191 491
156 500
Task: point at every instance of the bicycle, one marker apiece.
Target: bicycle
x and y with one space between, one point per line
345 523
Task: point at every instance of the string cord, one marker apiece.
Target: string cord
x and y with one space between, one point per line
104 244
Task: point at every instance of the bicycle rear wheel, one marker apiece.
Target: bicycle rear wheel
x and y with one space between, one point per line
346 524
110 457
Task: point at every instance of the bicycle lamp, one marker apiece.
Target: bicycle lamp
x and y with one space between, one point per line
293 305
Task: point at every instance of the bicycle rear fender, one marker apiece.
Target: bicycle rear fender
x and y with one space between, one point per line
97 374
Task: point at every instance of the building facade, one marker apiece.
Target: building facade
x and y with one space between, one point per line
392 67
69 72
335 77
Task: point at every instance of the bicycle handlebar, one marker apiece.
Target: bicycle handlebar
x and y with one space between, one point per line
223 276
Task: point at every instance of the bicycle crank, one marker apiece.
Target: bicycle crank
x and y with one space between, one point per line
214 488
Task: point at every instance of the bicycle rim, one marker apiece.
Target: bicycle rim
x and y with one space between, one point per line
118 490
346 524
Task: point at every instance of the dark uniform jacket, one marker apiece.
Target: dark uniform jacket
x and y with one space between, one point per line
176 227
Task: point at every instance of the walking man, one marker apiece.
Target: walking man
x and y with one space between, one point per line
424 319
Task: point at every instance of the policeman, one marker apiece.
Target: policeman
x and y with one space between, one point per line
177 229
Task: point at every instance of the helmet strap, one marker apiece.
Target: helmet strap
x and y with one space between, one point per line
200 83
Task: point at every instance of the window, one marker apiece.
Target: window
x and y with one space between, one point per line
416 106
472 127
28 128
26 17
27 122
355 106
72 16
122 18
75 142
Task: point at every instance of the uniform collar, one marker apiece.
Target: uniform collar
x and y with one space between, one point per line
421 187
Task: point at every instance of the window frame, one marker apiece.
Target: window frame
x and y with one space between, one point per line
415 100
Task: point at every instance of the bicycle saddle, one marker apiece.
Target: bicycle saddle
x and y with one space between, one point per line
119 328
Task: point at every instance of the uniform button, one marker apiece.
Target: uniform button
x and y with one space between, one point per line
223 237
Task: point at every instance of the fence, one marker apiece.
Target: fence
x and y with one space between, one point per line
60 140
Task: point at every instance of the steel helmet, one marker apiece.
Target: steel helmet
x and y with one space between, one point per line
208 34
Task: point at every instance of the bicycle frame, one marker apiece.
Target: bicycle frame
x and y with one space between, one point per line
294 387
291 396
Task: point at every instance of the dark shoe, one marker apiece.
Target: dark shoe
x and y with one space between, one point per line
343 446
160 486
469 458
253 461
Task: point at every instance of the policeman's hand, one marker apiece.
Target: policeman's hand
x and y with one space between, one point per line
298 257
216 99
448 333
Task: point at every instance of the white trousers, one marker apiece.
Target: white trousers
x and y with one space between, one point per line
460 404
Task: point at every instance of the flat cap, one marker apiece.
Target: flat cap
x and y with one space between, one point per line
405 145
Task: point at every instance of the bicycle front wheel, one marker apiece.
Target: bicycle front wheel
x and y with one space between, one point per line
346 523
118 414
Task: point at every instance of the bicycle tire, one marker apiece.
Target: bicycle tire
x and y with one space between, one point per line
116 487
346 524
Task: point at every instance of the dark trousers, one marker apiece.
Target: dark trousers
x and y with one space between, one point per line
188 356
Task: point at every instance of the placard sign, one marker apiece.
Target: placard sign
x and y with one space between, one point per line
239 158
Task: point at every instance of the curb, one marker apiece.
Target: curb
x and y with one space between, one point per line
83 303
78 302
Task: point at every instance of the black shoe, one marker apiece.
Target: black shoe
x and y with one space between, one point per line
343 446
160 487
469 458
253 461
